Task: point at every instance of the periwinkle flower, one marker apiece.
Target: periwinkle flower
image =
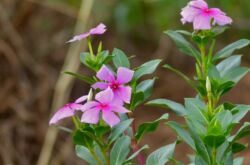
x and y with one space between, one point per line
117 84
198 13
68 110
106 105
98 30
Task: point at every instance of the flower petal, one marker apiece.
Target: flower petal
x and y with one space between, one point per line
124 75
89 105
79 37
202 22
110 118
99 29
81 99
91 116
200 4
220 17
188 14
105 74
124 93
119 109
100 85
62 113
105 96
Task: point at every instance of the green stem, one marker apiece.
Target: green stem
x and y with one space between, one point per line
75 120
214 153
90 48
203 60
96 157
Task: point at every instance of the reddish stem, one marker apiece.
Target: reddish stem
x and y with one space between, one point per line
134 145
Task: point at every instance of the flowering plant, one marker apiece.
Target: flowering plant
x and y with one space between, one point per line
106 134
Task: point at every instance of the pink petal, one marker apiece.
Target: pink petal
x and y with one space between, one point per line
200 4
119 109
220 17
202 22
105 96
188 14
110 118
79 37
100 85
62 113
105 74
91 116
89 105
81 99
124 75
124 93
99 29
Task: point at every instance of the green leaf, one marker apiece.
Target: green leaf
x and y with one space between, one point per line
145 89
238 147
165 103
228 64
119 129
242 132
225 118
200 146
120 59
236 74
81 77
238 161
137 152
196 110
81 138
162 155
83 153
239 111
149 127
228 50
214 140
146 68
183 44
179 73
183 134
120 150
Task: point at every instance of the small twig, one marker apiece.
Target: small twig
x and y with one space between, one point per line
64 84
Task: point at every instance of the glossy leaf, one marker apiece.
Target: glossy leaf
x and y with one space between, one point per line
120 59
228 50
228 64
146 68
120 150
149 127
183 44
119 129
162 155
137 152
183 134
165 103
86 79
83 153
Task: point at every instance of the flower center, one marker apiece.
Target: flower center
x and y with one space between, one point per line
114 86
207 11
103 106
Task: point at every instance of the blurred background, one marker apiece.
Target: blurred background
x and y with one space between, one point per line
33 53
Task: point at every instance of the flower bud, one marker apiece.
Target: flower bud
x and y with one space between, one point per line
208 85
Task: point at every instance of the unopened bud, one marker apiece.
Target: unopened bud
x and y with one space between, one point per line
208 85
90 95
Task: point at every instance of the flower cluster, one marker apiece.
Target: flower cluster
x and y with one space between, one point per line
108 102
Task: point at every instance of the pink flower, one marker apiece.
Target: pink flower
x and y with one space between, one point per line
104 103
121 93
198 13
67 110
98 30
